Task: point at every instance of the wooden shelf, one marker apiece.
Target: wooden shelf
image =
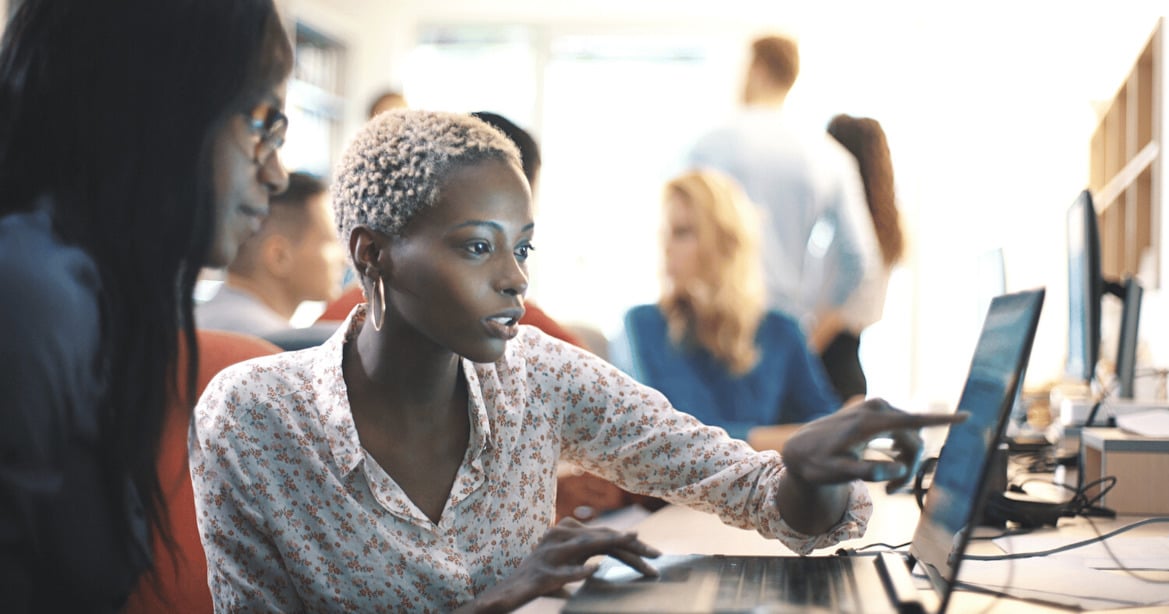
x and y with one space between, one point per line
1125 169
316 102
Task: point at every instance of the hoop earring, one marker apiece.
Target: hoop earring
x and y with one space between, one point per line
381 306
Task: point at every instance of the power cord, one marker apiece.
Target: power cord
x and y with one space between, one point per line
1001 509
1065 548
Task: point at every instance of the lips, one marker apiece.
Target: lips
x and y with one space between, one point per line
504 325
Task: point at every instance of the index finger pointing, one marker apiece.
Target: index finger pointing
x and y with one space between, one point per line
902 420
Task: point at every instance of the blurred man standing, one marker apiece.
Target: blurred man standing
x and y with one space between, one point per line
818 238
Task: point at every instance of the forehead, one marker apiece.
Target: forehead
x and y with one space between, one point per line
484 190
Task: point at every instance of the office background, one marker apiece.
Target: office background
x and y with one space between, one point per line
989 111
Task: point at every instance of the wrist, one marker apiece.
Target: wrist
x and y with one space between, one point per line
808 507
494 600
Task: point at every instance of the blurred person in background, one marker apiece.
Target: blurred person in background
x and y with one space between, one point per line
387 100
839 331
296 256
710 344
818 242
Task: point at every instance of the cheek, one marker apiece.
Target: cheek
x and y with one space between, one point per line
222 168
439 293
681 254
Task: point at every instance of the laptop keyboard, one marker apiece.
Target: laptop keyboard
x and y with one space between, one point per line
811 582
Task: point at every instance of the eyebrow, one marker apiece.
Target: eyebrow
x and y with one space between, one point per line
496 226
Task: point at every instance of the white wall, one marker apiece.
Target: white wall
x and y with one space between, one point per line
988 109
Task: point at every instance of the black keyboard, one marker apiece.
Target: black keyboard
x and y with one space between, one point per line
812 582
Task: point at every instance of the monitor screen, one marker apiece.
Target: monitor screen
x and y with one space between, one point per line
1126 348
1085 288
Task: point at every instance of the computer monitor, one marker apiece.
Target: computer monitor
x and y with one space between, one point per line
1085 289
1126 346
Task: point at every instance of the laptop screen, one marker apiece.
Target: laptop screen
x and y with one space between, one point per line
956 495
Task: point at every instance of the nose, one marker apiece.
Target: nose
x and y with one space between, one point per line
513 279
273 174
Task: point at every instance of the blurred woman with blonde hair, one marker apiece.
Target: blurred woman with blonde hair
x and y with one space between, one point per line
709 343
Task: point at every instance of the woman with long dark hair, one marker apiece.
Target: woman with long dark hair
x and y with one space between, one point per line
138 143
838 333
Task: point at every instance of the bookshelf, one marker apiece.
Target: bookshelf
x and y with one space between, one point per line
1127 168
316 103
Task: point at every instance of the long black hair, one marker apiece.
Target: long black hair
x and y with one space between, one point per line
110 110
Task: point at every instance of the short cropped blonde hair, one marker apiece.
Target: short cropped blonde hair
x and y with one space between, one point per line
400 159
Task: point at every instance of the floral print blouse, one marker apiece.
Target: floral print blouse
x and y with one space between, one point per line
295 515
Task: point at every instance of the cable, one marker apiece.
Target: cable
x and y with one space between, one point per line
1064 548
857 551
1105 391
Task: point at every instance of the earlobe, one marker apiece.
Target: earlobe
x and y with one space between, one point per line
366 250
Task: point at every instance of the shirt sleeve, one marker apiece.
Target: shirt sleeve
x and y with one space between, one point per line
49 391
245 570
630 434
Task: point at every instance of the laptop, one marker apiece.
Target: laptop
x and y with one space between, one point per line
857 583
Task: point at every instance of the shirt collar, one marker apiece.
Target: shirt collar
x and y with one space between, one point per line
333 396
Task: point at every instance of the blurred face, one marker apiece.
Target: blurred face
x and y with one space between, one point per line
459 270
680 238
246 171
318 258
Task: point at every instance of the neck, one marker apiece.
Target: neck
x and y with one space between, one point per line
401 372
767 100
270 293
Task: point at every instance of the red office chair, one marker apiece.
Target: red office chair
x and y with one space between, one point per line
178 582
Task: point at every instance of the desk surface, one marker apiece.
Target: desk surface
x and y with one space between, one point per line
678 530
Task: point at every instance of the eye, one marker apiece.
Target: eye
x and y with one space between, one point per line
478 247
523 251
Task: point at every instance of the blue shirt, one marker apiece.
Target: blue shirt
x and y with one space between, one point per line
787 385
59 550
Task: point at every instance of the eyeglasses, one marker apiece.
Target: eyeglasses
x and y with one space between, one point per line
270 125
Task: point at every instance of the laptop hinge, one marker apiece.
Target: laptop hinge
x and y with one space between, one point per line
899 581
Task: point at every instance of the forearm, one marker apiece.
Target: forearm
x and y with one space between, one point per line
809 508
772 436
499 598
827 326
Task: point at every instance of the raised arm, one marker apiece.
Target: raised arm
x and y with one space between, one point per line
827 453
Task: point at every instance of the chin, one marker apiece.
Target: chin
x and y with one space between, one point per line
486 355
219 256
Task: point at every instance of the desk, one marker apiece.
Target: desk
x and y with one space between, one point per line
678 530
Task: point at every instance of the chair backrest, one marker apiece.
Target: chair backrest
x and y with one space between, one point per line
178 582
339 309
